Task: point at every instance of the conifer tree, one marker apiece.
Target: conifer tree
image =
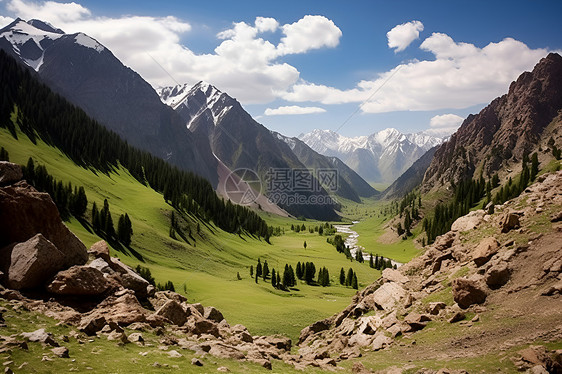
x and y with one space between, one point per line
534 165
278 280
304 245
251 270
371 262
258 269
349 278
265 270
96 225
354 283
342 276
273 279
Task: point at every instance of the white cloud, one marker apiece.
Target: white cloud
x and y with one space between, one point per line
5 21
460 76
444 124
310 32
401 36
244 64
293 110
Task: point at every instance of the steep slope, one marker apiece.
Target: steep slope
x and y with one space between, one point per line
90 76
411 177
351 186
380 157
505 130
485 297
240 142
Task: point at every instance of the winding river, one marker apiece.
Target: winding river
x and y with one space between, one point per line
352 240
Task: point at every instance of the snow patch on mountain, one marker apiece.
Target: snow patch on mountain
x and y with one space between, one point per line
201 99
88 42
379 157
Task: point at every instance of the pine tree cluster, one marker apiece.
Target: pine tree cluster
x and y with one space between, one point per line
42 113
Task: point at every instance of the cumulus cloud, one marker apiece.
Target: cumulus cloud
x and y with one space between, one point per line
444 124
401 36
460 76
244 63
293 110
310 32
5 21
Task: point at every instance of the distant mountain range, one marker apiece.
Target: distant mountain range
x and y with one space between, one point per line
240 142
380 157
199 128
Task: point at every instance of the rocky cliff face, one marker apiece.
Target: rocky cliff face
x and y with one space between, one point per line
492 282
506 129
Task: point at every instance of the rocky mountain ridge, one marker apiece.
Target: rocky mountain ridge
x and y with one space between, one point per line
505 130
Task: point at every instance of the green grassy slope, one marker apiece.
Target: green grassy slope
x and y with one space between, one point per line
207 270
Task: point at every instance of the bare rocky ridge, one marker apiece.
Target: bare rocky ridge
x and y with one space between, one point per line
506 129
485 268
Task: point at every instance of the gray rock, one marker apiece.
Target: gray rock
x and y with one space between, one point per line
33 263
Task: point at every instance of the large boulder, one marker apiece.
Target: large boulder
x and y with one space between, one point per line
213 314
33 263
129 278
467 292
9 173
393 275
313 329
79 280
174 312
387 296
508 222
469 221
485 250
25 212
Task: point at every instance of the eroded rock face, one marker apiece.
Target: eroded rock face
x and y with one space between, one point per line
25 212
79 280
469 221
33 262
467 292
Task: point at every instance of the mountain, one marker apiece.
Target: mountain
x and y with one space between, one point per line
240 142
411 178
351 185
507 129
91 77
380 157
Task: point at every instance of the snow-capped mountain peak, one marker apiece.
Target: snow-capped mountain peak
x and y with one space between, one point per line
379 157
193 102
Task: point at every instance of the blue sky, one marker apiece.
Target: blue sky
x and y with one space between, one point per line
324 58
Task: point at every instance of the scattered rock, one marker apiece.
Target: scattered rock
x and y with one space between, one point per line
129 278
173 312
381 342
24 212
40 336
174 354
457 316
122 310
359 368
467 292
556 217
555 289
497 275
118 336
223 369
435 307
313 329
101 265
34 262
79 280
485 250
196 362
213 314
136 337
91 325
508 222
415 321
61 352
